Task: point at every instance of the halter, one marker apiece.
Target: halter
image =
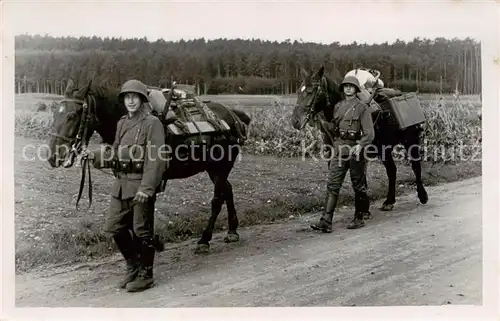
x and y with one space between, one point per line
80 142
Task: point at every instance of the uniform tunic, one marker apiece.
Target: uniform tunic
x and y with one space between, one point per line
138 139
351 116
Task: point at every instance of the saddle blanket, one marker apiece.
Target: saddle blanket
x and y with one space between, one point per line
204 127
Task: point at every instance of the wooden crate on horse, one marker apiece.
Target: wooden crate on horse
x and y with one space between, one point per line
405 109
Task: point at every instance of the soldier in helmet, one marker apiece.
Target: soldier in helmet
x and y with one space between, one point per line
353 132
140 165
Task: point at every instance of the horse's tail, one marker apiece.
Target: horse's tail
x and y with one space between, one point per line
241 121
241 115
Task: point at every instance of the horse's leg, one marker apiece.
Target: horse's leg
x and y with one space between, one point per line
218 174
217 202
390 168
413 151
232 218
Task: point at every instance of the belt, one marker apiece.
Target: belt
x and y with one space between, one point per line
129 175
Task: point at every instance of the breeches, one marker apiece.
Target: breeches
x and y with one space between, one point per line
338 170
129 215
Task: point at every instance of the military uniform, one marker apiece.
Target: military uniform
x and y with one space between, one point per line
138 167
353 126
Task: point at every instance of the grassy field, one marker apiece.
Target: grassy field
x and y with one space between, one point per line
267 188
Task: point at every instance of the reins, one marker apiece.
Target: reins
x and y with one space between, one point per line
87 115
85 165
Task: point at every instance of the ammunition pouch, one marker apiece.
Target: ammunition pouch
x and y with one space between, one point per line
349 134
128 161
130 166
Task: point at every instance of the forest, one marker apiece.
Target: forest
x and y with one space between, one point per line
229 66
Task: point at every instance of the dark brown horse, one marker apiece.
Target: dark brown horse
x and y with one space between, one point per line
312 104
93 108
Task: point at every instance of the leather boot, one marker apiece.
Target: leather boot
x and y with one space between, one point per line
126 245
357 222
325 222
362 205
144 279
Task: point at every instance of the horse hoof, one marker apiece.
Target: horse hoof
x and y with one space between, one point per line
423 198
202 249
232 237
387 207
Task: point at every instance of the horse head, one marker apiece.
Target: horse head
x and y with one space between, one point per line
75 121
315 94
70 126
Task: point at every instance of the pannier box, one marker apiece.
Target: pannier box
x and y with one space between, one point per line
405 109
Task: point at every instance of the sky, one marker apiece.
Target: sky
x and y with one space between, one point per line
322 22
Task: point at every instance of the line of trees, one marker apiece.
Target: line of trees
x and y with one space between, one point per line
256 66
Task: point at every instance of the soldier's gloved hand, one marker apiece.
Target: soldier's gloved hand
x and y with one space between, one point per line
87 154
356 150
141 197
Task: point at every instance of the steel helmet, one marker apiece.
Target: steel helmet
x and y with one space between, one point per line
350 80
134 86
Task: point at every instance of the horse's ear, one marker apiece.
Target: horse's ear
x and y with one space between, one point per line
87 89
321 72
69 87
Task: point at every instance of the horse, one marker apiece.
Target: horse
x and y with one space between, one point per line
319 91
96 108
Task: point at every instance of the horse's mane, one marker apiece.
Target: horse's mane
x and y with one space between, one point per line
108 109
333 85
104 93
108 98
333 88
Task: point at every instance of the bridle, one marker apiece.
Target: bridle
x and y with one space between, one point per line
80 142
311 102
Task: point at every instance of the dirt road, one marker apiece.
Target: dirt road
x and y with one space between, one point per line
416 255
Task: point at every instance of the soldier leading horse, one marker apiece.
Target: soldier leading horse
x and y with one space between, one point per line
93 108
316 98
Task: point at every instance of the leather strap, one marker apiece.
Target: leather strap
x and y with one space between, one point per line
85 165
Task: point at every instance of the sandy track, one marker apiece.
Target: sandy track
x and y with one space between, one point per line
415 255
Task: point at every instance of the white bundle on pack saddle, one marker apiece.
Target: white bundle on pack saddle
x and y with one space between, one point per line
367 78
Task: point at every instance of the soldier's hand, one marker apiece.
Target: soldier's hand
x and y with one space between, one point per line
86 153
141 197
356 150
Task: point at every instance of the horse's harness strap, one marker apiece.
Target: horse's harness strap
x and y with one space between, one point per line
83 127
85 165
83 133
325 84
